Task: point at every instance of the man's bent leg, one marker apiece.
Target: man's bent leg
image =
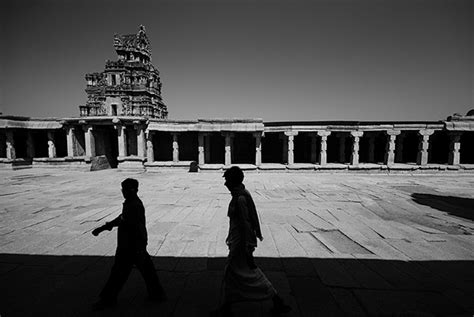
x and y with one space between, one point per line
118 276
147 269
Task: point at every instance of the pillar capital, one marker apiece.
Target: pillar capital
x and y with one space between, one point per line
119 125
291 133
357 134
87 128
393 132
425 132
323 133
137 125
149 133
258 134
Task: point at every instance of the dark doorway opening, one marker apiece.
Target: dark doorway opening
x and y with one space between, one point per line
164 146
216 148
381 140
188 146
243 150
40 143
467 148
106 143
20 139
438 151
79 143
409 141
272 148
302 148
3 144
131 135
60 141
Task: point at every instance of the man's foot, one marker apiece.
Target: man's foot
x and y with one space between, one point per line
102 304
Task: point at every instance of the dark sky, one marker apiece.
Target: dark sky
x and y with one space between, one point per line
286 60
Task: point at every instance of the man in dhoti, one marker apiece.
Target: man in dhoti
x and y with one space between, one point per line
243 280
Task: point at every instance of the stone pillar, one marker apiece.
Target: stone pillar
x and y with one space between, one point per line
390 148
90 140
342 148
141 140
70 141
228 149
422 158
207 148
258 148
355 146
51 145
291 145
323 156
175 148
399 148
201 149
10 143
454 148
122 140
30 145
314 153
371 139
150 153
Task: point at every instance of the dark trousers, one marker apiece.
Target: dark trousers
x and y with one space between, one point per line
124 261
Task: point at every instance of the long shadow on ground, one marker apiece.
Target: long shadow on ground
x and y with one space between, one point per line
455 206
42 285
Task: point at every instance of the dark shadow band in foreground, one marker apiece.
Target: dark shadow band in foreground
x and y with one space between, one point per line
43 285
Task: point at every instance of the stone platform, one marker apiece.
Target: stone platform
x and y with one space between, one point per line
334 244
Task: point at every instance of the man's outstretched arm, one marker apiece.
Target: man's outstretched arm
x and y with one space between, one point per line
108 226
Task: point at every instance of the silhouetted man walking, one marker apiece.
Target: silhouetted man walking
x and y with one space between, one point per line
243 280
131 249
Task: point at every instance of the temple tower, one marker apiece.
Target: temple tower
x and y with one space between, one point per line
129 86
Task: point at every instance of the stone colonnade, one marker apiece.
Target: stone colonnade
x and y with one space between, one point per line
31 148
317 157
135 141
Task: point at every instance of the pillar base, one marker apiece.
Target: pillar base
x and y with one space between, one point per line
47 162
131 163
15 164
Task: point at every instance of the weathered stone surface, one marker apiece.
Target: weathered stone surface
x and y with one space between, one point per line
333 244
99 163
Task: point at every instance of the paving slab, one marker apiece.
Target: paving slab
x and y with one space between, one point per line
334 243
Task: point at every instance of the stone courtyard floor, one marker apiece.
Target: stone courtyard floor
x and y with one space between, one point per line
334 244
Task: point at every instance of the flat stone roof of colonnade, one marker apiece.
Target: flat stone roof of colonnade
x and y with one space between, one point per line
463 123
208 125
303 126
18 122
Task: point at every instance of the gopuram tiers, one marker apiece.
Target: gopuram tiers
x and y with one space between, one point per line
129 86
124 124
